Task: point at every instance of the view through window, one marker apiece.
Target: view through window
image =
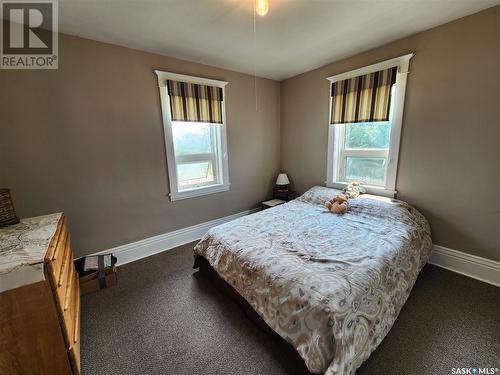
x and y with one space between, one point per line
196 146
365 152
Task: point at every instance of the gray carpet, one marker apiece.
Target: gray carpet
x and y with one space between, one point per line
165 318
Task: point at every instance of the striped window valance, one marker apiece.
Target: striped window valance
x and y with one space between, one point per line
364 98
196 103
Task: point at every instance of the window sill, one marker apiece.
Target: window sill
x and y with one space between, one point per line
198 192
375 190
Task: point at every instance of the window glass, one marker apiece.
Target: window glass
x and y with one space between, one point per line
196 154
367 170
195 173
368 135
191 138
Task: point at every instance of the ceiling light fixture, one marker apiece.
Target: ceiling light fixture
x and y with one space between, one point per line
261 7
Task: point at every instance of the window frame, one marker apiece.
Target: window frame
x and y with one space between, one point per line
221 139
335 132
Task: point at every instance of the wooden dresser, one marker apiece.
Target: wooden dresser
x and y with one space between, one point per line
39 299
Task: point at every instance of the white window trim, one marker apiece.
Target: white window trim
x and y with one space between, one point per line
175 194
402 62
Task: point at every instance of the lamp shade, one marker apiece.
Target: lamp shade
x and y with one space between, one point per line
282 179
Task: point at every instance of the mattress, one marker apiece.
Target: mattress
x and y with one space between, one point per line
331 285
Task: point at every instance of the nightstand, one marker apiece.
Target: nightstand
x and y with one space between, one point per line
271 203
285 195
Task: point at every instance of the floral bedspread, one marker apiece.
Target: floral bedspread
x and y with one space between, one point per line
331 285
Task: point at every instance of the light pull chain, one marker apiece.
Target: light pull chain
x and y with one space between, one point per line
255 54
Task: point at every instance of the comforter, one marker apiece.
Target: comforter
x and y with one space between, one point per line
331 285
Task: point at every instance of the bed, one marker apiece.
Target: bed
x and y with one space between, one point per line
330 285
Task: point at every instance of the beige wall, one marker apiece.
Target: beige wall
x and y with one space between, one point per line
449 165
87 139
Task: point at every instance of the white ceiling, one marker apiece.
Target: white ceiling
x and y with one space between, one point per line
294 37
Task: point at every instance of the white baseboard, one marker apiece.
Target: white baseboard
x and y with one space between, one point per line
153 245
466 264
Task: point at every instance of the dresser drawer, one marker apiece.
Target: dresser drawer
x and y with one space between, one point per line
70 312
55 252
59 259
63 278
74 349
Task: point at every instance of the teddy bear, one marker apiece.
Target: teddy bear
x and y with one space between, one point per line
338 204
354 189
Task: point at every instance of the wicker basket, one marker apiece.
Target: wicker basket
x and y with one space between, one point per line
7 212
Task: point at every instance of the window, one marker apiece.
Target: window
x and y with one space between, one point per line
195 134
366 150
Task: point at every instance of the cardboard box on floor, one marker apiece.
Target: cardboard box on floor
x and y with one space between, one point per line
90 283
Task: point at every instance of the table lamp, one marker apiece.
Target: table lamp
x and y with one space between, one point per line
282 181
